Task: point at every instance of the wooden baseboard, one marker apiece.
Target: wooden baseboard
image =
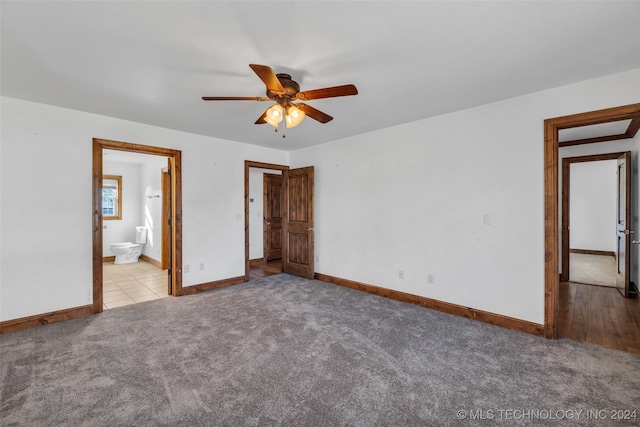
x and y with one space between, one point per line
45 318
592 252
15 325
203 287
445 307
256 261
151 261
108 259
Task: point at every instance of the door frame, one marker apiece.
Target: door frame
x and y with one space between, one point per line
175 160
551 229
566 208
166 217
248 164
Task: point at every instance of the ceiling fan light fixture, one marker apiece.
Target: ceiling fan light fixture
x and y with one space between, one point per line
283 90
294 116
274 115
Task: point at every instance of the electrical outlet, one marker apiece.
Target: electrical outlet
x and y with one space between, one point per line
201 266
317 258
400 274
430 279
186 268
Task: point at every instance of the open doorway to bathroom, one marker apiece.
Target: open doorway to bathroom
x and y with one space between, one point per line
133 229
134 255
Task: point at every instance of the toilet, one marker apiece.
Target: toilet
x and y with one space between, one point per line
128 252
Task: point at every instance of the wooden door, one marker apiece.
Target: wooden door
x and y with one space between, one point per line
272 208
298 222
623 233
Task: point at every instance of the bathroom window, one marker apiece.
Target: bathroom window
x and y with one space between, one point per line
111 197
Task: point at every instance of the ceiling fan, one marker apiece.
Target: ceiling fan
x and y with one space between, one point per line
284 91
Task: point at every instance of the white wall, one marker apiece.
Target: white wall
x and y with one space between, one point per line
114 231
151 214
593 201
47 149
140 179
414 197
411 197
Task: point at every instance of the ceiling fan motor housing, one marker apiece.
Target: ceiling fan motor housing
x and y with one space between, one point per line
291 89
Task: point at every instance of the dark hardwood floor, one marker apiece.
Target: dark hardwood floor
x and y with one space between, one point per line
259 268
599 315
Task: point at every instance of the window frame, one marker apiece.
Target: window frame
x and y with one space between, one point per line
118 179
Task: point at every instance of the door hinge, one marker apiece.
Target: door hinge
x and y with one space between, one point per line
169 221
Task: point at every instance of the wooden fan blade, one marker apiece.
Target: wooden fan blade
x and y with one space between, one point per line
262 120
235 98
314 113
328 92
269 78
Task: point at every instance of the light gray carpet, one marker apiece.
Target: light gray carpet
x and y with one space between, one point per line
288 351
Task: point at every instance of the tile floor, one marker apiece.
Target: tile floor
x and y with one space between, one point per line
126 284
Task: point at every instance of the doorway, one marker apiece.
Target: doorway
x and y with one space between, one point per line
297 219
174 281
256 264
138 273
589 201
551 208
590 307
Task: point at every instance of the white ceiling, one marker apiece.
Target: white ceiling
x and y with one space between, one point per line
151 62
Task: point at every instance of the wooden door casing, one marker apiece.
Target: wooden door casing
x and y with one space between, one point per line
552 127
166 214
298 258
272 208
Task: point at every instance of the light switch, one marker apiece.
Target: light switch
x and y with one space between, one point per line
487 219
